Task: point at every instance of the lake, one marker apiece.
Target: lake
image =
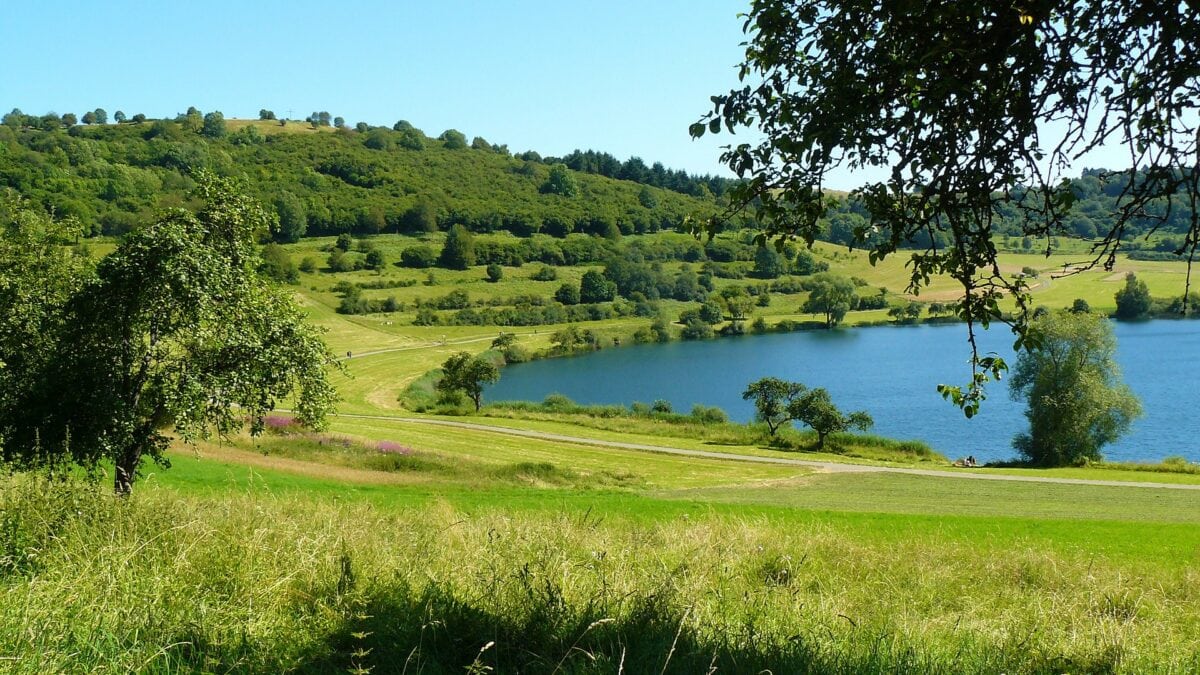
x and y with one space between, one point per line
891 372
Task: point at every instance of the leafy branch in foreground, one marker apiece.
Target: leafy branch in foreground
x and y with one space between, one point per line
976 108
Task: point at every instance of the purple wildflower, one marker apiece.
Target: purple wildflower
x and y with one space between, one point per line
393 448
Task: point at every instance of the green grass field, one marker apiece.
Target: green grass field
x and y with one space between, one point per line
384 545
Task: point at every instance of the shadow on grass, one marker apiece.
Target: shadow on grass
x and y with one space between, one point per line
436 632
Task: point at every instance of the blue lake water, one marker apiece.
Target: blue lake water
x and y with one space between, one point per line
891 372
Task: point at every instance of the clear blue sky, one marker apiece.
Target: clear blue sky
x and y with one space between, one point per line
619 76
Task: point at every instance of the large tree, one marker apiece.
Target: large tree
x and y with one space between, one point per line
174 331
971 107
1075 400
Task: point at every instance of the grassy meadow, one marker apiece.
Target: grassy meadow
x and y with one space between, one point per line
391 545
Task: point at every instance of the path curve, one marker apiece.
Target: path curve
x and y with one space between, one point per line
831 467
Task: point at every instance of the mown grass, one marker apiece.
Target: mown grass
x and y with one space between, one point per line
248 581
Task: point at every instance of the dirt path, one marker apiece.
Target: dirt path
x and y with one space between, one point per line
831 467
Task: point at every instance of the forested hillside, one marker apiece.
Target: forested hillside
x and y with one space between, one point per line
323 177
331 179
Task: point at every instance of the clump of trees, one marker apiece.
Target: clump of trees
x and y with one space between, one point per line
1075 400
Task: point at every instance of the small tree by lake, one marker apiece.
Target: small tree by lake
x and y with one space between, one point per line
1076 401
815 409
771 397
467 374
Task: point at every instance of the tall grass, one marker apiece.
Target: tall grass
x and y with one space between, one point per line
252 583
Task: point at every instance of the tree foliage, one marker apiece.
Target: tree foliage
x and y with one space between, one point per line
458 251
175 330
815 409
467 374
1133 299
1076 402
832 296
771 397
977 108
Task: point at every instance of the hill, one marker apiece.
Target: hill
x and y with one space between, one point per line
326 180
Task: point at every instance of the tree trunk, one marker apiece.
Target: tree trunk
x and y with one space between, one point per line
125 472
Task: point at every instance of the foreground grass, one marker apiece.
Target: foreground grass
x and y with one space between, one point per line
257 580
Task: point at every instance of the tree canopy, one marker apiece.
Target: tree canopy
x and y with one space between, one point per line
467 374
1076 401
975 108
175 330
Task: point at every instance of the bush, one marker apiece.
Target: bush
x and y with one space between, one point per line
545 273
419 257
709 414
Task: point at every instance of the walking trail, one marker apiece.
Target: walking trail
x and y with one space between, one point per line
831 467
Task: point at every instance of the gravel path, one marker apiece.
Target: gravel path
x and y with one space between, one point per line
831 467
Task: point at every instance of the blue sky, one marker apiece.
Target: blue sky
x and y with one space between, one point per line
618 76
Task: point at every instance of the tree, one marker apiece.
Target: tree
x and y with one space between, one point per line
560 182
339 122
468 374
831 295
978 109
494 273
711 311
593 287
343 242
174 330
214 125
138 118
69 119
100 115
815 409
567 294
38 278
1133 301
265 114
378 139
771 397
293 221
418 256
422 217
89 117
458 253
453 139
374 259
768 264
119 116
1075 400
362 127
